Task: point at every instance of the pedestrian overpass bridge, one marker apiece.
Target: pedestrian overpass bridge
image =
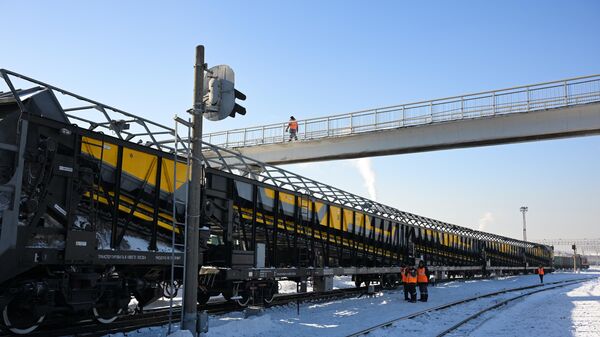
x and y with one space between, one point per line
549 110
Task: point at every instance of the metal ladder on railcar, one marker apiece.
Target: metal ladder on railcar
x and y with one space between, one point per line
181 225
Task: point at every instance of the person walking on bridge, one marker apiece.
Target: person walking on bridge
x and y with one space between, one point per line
422 280
293 128
540 272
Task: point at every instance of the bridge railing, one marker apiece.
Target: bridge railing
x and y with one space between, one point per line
541 96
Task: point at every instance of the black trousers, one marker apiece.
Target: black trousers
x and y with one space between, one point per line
406 291
541 278
412 289
423 292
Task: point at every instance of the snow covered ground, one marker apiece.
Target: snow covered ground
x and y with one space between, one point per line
569 311
549 313
339 282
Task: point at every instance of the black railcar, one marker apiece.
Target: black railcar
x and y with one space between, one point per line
90 220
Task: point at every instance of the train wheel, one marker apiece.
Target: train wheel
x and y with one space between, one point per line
269 294
20 317
106 312
244 299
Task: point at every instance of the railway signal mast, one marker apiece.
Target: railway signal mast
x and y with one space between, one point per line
214 98
524 209
574 247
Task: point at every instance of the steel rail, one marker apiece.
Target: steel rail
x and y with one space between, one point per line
502 303
159 317
459 302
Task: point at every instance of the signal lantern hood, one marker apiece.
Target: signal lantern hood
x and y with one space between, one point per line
220 94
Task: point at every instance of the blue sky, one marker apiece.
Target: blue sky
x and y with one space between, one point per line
314 58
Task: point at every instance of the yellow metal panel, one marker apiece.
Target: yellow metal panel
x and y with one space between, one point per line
321 210
348 219
166 183
135 163
359 221
95 148
137 214
139 165
285 198
269 193
335 217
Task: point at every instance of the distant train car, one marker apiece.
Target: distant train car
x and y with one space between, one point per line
566 262
584 263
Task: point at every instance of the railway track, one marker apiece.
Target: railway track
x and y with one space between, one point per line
474 316
543 287
156 317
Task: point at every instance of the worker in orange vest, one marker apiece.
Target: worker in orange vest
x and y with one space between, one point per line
403 272
293 128
411 281
540 272
422 280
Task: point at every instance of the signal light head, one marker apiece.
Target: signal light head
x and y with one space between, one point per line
220 94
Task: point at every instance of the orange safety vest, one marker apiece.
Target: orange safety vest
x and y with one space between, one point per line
403 273
421 275
293 125
541 271
410 278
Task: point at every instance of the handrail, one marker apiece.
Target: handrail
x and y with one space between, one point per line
525 98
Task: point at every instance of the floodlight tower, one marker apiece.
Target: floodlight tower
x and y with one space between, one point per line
524 209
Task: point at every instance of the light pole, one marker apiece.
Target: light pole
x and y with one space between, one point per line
524 209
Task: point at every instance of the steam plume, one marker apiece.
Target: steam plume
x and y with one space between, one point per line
485 220
366 171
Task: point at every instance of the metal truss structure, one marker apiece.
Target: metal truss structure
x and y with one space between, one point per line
96 116
231 161
583 245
